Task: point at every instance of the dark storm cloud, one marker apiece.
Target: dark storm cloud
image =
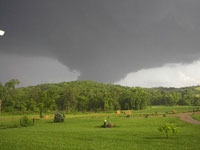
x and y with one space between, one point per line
103 39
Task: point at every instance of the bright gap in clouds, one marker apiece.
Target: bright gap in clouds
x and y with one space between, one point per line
169 75
2 32
34 70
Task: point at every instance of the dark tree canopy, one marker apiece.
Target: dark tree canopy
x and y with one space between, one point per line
90 96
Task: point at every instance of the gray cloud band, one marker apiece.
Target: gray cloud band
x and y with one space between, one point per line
106 39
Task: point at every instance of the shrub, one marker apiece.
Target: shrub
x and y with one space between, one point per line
164 115
25 122
58 117
168 129
146 115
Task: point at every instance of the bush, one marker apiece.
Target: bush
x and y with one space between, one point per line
168 129
58 117
25 122
164 115
146 115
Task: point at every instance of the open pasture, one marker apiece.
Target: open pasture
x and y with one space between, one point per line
83 132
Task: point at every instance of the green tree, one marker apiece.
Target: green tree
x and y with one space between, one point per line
82 103
12 83
168 129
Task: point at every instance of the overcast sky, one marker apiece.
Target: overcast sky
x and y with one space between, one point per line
129 42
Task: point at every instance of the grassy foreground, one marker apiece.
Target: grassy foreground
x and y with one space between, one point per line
84 133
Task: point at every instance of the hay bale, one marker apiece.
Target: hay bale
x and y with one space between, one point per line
46 117
128 112
174 112
118 112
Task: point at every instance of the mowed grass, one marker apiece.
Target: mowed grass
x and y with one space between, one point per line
196 116
85 133
167 109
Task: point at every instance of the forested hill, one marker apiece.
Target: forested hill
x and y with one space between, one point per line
90 96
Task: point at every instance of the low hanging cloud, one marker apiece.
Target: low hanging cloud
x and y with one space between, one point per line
34 70
169 75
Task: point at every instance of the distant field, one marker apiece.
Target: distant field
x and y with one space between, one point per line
196 116
83 132
197 88
135 113
164 109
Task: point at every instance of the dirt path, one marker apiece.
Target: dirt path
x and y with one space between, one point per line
184 117
187 117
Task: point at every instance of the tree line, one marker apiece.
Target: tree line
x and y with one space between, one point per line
88 96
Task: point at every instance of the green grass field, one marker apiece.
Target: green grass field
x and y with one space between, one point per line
83 132
196 116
